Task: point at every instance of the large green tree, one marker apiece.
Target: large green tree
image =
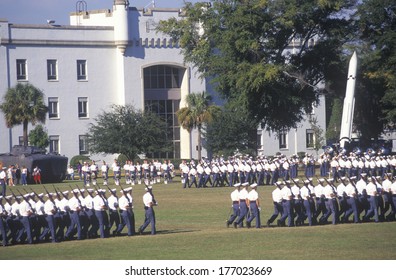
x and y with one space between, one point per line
199 112
269 55
232 131
376 96
24 104
127 131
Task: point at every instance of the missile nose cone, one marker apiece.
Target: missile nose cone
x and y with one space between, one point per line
352 66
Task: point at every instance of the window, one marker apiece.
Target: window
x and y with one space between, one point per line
282 139
83 144
83 107
54 144
81 70
310 138
53 108
166 109
52 69
161 76
21 68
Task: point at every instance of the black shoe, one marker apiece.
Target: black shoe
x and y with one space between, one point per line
227 224
268 223
140 232
279 223
235 225
248 224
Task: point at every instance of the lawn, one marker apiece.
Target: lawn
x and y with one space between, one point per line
191 226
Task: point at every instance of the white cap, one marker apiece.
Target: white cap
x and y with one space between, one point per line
90 190
32 194
113 190
65 192
49 194
8 196
76 191
253 186
237 185
279 183
40 195
26 195
245 184
306 181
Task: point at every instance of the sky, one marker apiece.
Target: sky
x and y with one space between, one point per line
39 11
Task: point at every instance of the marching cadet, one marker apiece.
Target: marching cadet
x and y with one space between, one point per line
363 204
320 199
230 171
223 175
114 217
50 210
15 223
380 198
200 172
243 209
297 202
277 201
287 204
331 203
351 199
216 175
25 210
149 203
89 209
235 204
207 173
386 193
40 214
100 207
342 198
105 173
184 169
371 190
125 204
74 204
254 207
94 172
193 176
3 225
306 197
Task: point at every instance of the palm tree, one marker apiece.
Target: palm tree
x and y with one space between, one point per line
22 104
198 112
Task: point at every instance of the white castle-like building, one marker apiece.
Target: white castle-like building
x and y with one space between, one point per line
107 57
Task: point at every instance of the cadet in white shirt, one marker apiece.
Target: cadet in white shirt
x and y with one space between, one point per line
74 204
125 204
371 190
235 205
100 207
243 209
149 203
25 210
277 201
351 198
3 225
307 201
50 210
254 207
114 217
331 203
287 200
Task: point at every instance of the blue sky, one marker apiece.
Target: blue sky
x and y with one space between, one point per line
38 11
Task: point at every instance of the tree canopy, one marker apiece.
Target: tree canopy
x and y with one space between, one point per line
39 137
22 104
127 131
270 55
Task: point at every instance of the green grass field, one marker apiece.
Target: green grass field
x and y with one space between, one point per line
191 226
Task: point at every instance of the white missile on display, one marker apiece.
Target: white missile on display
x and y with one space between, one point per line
349 103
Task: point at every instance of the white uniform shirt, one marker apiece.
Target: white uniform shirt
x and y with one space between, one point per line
15 208
243 194
112 202
286 193
386 185
98 203
277 195
235 195
73 204
123 203
350 190
340 189
295 191
24 209
392 188
328 191
305 192
39 207
88 201
360 186
371 189
147 199
253 195
49 207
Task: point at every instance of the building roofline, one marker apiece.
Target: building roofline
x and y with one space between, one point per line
55 26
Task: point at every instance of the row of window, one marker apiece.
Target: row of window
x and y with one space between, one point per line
54 145
309 139
53 107
52 70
